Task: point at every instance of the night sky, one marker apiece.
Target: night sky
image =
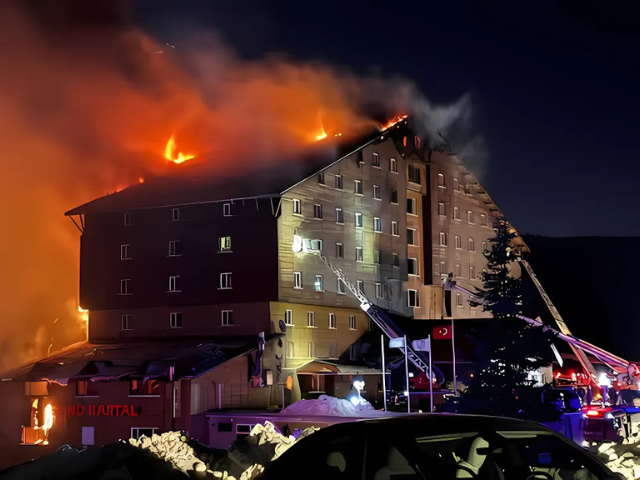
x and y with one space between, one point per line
554 87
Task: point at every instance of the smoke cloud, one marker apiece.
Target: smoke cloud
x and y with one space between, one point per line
88 105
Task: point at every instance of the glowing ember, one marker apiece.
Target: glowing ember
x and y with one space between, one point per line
84 314
170 152
393 121
322 135
141 180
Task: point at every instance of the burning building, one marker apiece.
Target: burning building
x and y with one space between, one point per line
203 299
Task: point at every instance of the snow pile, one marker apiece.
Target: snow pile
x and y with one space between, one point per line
621 458
173 448
329 406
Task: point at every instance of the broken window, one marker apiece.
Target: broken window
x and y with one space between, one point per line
411 236
414 174
412 206
396 260
394 196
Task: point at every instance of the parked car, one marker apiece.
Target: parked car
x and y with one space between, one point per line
437 446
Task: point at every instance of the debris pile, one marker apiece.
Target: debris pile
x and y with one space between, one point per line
330 406
173 448
620 458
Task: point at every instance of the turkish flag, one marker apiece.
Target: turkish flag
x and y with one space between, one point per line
442 333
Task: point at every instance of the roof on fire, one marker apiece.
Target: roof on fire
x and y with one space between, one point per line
148 359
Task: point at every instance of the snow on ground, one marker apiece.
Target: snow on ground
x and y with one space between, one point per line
621 458
329 406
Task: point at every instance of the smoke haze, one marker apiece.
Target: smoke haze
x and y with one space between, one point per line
88 104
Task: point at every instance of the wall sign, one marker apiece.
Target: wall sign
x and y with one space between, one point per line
101 411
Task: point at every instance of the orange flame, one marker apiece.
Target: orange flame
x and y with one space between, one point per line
392 122
141 180
84 314
170 152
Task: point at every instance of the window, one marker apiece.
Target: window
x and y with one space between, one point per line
332 320
459 300
173 283
393 165
127 219
227 318
360 286
417 142
376 192
243 431
470 218
317 211
483 220
352 322
358 217
441 182
472 272
125 286
339 215
472 245
414 174
88 436
441 210
315 245
226 209
443 239
394 229
458 242
137 432
85 388
297 207
484 247
339 182
339 250
174 248
225 281
359 254
411 237
412 206
124 252
125 322
311 319
378 290
414 299
455 184
443 267
353 353
321 178
224 244
456 213
357 187
394 197
396 260
175 214
341 287
297 279
457 270
412 266
319 283
375 161
288 317
290 350
377 224
175 320
147 387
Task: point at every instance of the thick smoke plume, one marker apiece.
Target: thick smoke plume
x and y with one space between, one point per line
87 108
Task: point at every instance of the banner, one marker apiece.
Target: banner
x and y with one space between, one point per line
423 345
396 342
442 333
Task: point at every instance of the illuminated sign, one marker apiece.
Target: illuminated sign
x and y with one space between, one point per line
101 411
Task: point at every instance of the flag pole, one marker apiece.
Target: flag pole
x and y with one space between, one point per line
453 350
430 377
384 375
406 371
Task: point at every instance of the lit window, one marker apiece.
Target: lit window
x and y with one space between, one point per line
375 161
125 322
146 387
125 286
376 192
352 322
458 242
472 245
353 353
358 217
414 174
412 266
376 256
227 318
175 214
297 207
124 252
297 279
443 239
411 237
226 209
288 317
378 290
339 216
393 165
483 220
413 298
332 320
360 285
225 281
457 271
224 244
394 229
359 254
456 213
441 210
377 224
459 300
472 272
175 320
338 182
319 284
396 260
341 289
321 178
173 283
317 211
412 206
455 184
357 187
339 250
127 219
174 248
441 182
470 218
311 319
